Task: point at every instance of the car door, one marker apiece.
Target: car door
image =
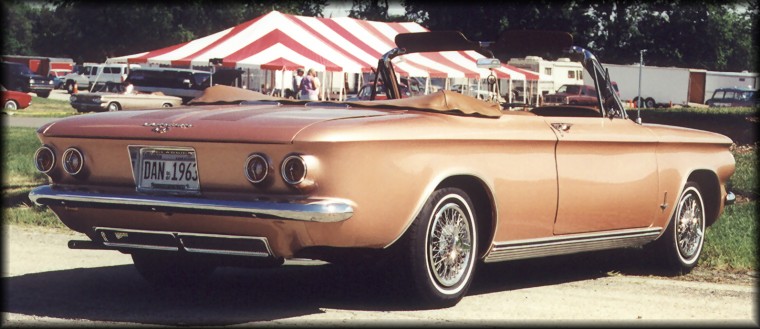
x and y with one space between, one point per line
606 172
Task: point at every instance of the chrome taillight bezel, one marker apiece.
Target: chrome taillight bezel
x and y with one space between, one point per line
66 161
285 168
37 155
262 159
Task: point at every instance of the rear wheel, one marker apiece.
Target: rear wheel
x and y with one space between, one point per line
43 94
10 105
166 105
650 103
171 269
439 249
680 246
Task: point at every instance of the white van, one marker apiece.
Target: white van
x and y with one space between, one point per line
90 74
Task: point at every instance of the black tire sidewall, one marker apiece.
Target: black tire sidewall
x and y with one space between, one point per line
426 285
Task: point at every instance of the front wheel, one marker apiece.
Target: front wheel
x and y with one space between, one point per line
441 248
43 94
166 105
10 105
680 246
113 106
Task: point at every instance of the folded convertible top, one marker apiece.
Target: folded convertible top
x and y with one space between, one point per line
441 101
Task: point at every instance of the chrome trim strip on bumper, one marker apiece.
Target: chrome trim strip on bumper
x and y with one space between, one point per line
309 210
730 198
178 243
568 244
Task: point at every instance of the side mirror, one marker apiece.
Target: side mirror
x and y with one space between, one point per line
488 63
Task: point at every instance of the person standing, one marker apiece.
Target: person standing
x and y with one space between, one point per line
297 83
309 88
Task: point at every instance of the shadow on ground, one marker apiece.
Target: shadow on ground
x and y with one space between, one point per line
234 296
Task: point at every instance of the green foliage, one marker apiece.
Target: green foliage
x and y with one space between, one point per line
27 215
731 243
744 180
694 34
19 145
17 27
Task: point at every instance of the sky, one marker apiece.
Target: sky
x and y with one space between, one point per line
341 8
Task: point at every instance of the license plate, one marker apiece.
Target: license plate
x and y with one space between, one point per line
168 170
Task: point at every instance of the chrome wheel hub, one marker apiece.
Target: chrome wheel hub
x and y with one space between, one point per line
450 245
690 226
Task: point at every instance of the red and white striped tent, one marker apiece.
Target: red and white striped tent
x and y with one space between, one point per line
282 42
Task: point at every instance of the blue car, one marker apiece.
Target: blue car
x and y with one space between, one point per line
733 97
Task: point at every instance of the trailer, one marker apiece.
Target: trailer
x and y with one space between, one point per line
42 65
554 74
667 86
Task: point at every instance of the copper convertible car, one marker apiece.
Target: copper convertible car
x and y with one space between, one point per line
436 183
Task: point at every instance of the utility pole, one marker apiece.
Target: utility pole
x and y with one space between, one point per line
641 66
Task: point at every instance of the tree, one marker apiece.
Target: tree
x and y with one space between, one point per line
17 27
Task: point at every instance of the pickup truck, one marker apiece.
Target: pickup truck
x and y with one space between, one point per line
19 77
582 95
84 77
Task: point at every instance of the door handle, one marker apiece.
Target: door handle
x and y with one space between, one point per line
562 127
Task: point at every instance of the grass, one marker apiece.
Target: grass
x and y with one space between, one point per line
18 167
730 243
744 180
46 107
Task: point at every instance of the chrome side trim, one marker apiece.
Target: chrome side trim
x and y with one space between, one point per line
177 239
730 198
568 244
326 210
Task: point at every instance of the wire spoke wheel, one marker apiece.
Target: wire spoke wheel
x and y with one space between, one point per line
679 248
690 226
450 245
438 253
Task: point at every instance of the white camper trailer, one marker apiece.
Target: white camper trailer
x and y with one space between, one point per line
563 71
661 86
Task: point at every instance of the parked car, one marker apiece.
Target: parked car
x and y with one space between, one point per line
87 76
19 77
14 100
584 95
573 95
733 97
115 98
184 83
426 188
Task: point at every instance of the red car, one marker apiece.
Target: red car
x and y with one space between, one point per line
15 100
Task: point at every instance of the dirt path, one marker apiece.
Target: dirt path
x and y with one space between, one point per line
45 284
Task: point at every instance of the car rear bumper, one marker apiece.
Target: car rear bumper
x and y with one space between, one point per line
308 210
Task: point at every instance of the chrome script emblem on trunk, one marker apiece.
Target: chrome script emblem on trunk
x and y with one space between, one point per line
164 127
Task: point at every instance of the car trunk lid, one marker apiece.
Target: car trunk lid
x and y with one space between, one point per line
222 123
